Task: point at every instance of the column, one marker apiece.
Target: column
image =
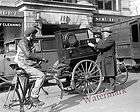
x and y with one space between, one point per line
29 19
117 5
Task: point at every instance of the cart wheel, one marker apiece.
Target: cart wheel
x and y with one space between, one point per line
122 74
86 77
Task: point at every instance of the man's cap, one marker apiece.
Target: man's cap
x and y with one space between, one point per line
106 29
29 31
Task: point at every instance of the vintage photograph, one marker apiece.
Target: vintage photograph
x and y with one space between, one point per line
69 55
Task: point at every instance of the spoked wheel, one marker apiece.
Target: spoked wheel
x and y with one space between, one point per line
53 93
87 77
14 100
122 74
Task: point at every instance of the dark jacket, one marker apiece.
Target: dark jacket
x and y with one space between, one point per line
107 58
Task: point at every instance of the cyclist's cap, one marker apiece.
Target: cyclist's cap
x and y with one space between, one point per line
29 31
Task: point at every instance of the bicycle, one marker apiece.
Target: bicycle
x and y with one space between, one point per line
24 85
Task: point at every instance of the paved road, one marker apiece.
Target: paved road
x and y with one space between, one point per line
125 100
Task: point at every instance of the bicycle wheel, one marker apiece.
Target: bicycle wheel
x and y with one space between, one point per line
14 100
53 92
19 94
122 74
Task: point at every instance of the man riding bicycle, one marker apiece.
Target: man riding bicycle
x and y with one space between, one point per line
25 58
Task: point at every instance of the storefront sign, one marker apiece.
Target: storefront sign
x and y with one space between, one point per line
10 12
109 19
105 19
61 18
10 24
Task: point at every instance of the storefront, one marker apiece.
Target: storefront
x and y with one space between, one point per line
11 23
55 15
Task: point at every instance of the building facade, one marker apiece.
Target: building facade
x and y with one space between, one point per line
62 14
11 25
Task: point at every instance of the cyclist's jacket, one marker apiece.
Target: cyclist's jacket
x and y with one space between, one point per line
24 55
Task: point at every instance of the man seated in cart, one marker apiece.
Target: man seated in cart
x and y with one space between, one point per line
106 59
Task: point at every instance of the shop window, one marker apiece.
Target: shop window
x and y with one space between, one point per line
134 32
100 4
107 4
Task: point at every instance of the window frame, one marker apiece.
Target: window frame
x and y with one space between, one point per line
113 3
133 32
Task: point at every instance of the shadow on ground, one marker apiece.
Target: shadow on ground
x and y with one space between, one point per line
67 103
126 85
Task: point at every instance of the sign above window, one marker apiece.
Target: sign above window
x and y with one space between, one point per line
10 24
10 12
63 18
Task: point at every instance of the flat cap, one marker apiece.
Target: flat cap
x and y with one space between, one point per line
106 29
29 31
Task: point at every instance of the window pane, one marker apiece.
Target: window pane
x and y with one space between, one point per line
114 4
108 5
100 4
135 33
48 44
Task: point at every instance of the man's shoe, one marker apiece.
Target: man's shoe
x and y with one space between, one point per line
36 101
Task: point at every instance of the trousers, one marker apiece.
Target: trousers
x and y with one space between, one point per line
39 77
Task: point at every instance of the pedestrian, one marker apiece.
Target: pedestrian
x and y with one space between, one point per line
107 58
26 59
